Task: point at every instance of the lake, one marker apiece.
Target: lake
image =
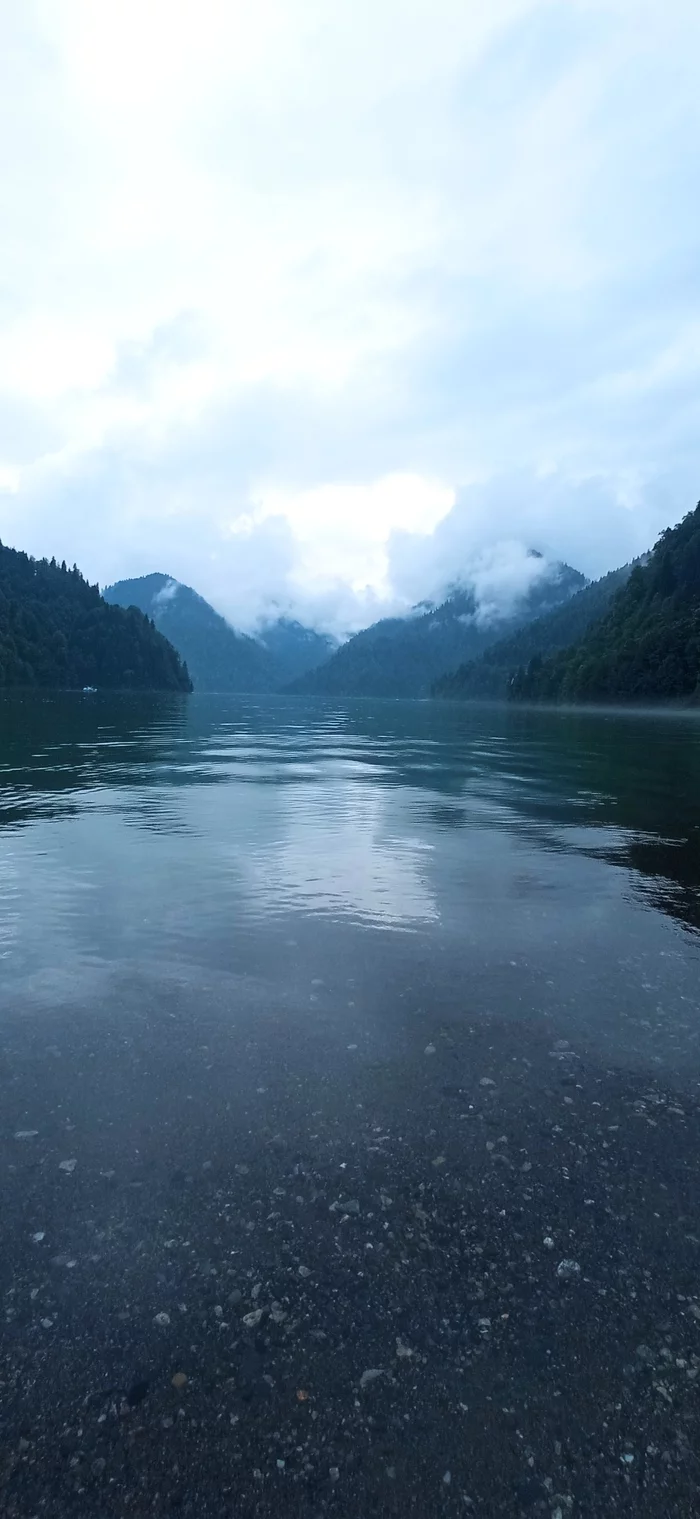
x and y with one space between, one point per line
350 1079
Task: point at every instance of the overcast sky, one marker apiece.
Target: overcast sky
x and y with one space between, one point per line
327 302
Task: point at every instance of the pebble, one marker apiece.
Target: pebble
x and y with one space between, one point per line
251 1320
179 1379
67 1165
304 1271
430 1049
403 1351
26 1134
567 1270
486 1082
371 1375
162 1319
38 1237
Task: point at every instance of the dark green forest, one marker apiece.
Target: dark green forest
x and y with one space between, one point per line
647 646
56 630
490 676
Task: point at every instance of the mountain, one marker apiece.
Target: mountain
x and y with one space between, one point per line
647 646
490 675
403 656
294 648
218 658
56 630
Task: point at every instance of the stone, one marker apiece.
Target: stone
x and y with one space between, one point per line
371 1375
567 1271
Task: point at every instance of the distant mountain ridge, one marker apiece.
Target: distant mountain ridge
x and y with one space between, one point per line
57 631
404 656
294 647
218 657
491 674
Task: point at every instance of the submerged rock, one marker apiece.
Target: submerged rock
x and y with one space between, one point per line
567 1271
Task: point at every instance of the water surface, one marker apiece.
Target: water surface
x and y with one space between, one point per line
262 959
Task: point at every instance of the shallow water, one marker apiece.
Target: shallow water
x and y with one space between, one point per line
229 932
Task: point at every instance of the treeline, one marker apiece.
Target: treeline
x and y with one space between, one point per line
647 646
56 630
491 675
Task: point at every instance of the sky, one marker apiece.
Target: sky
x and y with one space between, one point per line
324 306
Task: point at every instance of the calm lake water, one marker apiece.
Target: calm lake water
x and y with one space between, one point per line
373 1032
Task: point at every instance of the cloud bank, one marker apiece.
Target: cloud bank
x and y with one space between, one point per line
315 305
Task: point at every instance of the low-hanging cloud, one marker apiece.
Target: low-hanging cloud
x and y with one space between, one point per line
260 265
167 593
491 538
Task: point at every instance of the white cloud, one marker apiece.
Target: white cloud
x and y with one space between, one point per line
555 516
279 280
343 532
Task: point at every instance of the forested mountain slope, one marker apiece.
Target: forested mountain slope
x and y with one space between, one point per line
403 656
56 630
490 675
647 647
218 657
